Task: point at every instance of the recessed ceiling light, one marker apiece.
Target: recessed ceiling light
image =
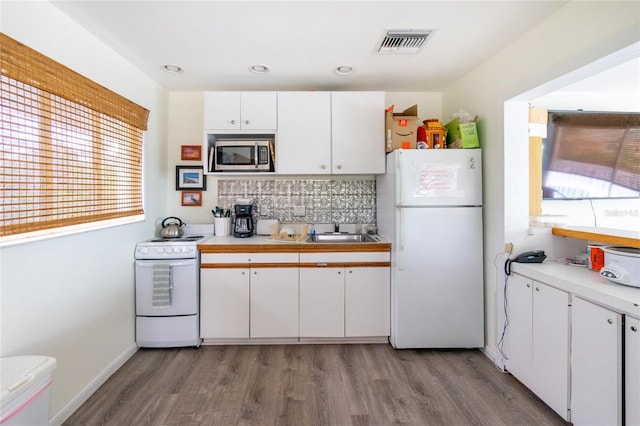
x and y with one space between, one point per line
259 69
173 69
344 70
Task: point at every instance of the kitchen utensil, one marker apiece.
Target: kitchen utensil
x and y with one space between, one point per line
172 227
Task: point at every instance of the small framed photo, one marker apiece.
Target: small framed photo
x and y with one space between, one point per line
190 177
191 198
191 153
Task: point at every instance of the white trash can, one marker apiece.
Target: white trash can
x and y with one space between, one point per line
26 382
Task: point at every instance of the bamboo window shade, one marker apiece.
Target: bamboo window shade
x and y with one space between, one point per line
71 149
600 146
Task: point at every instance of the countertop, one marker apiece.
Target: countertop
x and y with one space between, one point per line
265 244
585 283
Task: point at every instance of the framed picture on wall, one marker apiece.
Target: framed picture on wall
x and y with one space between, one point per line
190 177
191 152
191 198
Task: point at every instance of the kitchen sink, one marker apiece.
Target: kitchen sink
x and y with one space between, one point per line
342 237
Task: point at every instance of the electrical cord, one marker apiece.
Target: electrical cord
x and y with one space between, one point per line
500 345
593 211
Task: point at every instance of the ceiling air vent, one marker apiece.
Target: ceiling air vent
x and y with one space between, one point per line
403 41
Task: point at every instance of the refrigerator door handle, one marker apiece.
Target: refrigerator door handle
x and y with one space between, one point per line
398 181
400 262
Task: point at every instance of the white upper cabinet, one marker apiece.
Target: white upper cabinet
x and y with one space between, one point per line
357 133
337 133
240 111
304 133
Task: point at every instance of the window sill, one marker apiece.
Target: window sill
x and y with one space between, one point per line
67 230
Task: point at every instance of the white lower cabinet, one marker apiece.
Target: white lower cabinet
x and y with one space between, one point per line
367 302
274 302
248 295
632 371
345 302
596 365
321 302
224 303
291 295
537 340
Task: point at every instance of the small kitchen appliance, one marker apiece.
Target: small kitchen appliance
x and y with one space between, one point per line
239 155
243 224
622 265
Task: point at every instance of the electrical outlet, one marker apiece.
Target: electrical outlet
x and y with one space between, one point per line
298 210
508 248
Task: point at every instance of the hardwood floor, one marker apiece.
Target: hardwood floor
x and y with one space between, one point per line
311 385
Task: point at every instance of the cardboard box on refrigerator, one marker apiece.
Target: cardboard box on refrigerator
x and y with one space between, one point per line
401 128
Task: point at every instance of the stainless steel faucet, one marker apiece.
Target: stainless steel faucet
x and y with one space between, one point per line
336 227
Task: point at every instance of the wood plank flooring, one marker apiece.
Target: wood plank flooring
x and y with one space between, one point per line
331 385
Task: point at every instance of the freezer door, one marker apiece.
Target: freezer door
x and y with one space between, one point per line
438 177
437 279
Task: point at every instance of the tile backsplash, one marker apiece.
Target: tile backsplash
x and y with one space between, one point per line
304 200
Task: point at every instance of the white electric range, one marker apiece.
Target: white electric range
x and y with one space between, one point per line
168 288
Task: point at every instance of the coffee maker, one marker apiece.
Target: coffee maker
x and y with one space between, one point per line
243 224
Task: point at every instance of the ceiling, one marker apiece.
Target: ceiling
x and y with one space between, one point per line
303 42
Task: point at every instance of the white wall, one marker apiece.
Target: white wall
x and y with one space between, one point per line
72 297
556 46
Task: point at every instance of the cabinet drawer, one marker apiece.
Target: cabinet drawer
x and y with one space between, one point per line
249 258
345 257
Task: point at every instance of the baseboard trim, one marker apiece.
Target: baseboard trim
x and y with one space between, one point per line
66 412
495 357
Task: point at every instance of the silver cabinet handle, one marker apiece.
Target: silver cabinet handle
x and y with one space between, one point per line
339 166
609 320
324 166
537 288
246 121
634 328
232 121
528 285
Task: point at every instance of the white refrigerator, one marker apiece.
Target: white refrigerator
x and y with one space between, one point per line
429 205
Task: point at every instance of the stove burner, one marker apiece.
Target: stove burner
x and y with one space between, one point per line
187 238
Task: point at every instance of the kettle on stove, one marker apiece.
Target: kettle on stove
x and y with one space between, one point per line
243 224
172 227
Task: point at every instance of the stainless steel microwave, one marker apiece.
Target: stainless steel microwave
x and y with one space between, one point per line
227 155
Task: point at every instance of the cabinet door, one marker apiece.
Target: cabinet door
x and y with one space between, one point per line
632 371
367 302
321 302
274 302
258 110
596 360
518 335
357 132
224 303
550 356
222 110
304 133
